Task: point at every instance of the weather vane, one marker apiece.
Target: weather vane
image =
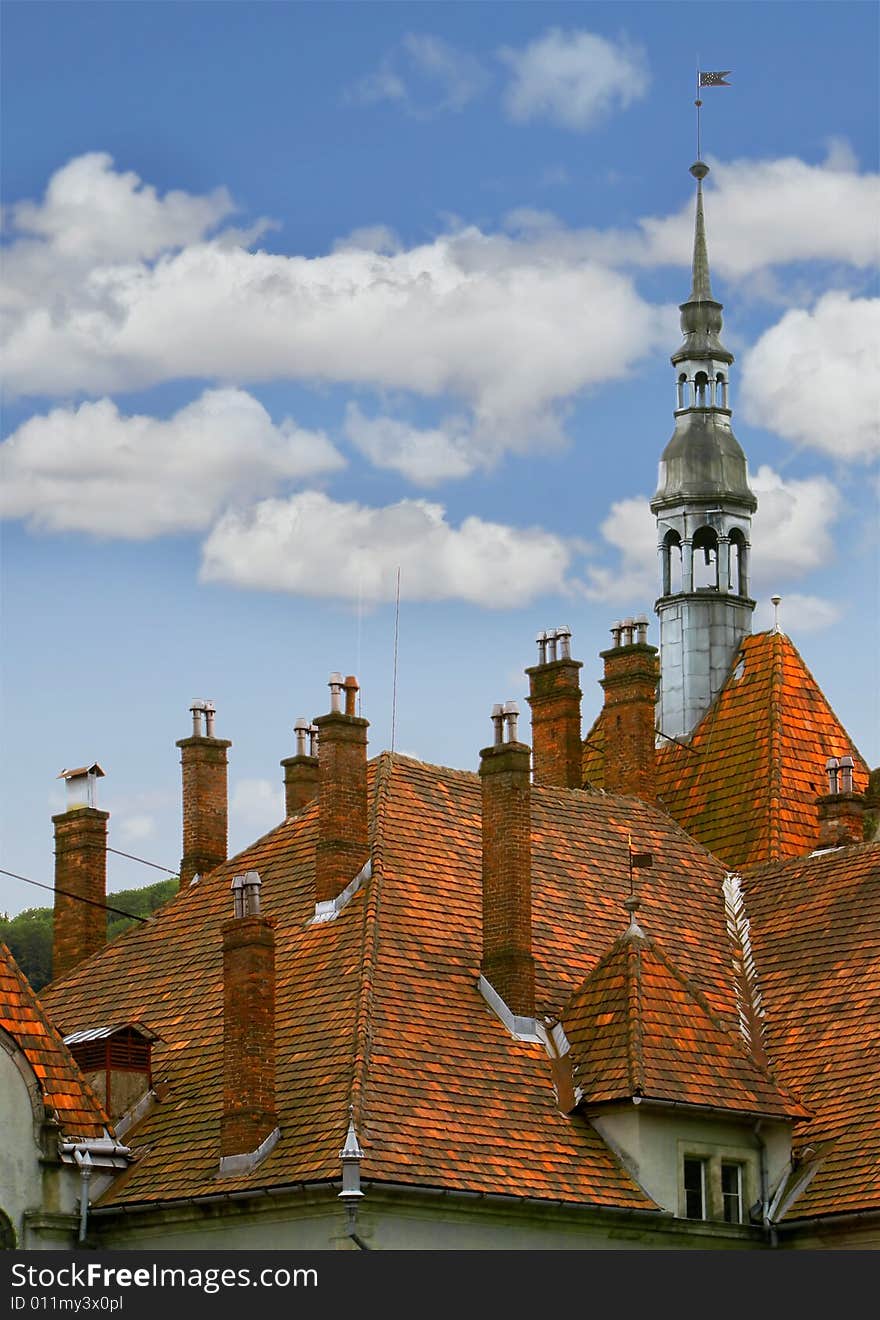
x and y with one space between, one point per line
715 79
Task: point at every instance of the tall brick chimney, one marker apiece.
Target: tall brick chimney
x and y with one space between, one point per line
630 686
343 838
249 1108
79 923
555 701
507 962
841 811
203 761
301 770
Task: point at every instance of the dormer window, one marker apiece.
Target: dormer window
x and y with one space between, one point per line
716 1182
116 1062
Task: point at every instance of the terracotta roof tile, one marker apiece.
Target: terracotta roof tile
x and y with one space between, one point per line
637 1027
65 1091
815 933
381 1008
746 781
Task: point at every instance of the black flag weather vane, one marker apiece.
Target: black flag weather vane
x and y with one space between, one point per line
717 78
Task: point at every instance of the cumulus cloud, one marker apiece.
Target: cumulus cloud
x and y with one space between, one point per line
791 536
95 470
255 804
798 612
631 531
763 213
814 377
503 331
424 456
573 78
314 546
425 75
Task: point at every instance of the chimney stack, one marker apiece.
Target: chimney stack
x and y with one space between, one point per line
555 701
249 1107
301 770
343 837
203 761
630 686
507 962
841 811
79 923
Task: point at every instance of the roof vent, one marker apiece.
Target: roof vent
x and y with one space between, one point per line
82 785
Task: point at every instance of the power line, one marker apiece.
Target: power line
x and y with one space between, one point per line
132 858
78 897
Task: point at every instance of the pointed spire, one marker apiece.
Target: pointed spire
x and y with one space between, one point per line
701 288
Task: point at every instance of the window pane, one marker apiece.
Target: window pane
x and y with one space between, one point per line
731 1193
694 1189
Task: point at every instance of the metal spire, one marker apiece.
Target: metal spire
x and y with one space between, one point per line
701 288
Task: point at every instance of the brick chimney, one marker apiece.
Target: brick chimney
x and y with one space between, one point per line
343 839
79 923
507 962
630 686
301 770
555 701
203 762
841 811
249 1108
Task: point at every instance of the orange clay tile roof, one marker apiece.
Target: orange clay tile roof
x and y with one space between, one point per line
637 1027
815 934
380 1008
746 782
65 1091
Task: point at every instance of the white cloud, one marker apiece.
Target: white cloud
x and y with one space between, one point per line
135 828
791 529
761 213
798 613
814 377
504 330
256 804
314 546
423 456
424 74
791 536
573 78
92 469
632 532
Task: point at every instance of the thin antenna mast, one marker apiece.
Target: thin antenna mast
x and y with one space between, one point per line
394 684
698 103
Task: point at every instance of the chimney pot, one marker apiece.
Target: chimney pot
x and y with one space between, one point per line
301 730
846 774
197 709
313 740
498 723
511 715
615 634
336 685
351 691
541 639
641 625
563 636
551 644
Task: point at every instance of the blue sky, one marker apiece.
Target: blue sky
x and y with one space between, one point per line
298 295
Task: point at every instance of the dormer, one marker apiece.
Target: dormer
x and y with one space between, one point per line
117 1063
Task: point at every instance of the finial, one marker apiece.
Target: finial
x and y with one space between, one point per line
775 602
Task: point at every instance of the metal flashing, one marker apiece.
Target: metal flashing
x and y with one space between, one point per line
232 1166
330 908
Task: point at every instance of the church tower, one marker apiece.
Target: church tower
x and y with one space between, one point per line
703 506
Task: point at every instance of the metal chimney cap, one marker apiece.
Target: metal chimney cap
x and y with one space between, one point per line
301 724
198 703
510 708
641 619
541 637
564 631
832 763
209 707
847 762
335 679
497 710
93 769
350 681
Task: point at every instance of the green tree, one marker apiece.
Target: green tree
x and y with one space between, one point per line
29 934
